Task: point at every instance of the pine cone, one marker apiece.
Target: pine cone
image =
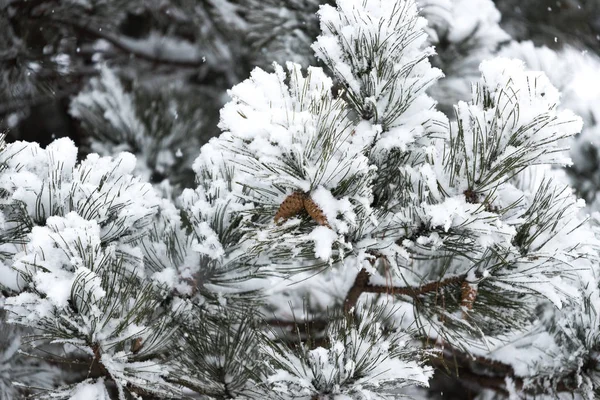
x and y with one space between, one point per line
315 212
291 206
468 294
136 346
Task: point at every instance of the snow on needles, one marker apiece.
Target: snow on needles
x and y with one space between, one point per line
358 196
360 362
284 133
374 48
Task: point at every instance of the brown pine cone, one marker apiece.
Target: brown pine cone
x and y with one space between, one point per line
291 206
315 212
468 294
136 346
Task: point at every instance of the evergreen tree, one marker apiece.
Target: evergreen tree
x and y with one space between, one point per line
345 236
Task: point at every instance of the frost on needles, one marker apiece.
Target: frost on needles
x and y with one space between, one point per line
345 240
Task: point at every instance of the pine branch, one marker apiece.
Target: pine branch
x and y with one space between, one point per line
494 374
463 365
361 285
478 371
129 46
97 361
415 291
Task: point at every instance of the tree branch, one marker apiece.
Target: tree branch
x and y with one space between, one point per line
415 291
131 46
491 374
477 371
361 285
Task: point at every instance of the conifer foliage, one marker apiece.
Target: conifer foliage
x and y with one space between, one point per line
344 238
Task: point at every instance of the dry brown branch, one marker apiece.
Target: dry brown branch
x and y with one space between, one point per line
415 291
360 283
